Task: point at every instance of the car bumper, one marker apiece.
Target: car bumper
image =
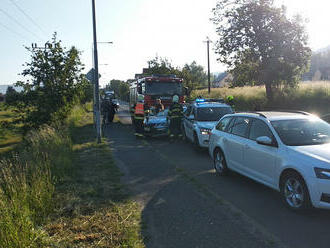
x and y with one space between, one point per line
204 140
151 131
320 192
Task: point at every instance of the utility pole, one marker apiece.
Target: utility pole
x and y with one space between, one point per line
208 64
96 80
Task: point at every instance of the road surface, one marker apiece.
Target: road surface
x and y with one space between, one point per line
187 205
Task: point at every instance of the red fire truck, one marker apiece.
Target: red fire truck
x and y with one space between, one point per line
154 87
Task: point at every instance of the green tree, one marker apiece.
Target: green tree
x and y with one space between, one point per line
257 39
120 88
53 84
162 66
85 91
11 95
194 76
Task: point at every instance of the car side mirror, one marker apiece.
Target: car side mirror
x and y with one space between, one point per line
264 140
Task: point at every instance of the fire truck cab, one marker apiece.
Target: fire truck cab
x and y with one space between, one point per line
155 87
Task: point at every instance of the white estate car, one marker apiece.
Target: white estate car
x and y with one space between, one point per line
199 119
287 151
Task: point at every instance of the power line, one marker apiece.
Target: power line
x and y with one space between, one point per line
27 16
19 24
13 31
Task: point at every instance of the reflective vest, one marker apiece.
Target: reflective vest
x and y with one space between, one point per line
175 111
139 109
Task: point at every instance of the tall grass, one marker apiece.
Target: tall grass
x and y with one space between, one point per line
308 96
27 185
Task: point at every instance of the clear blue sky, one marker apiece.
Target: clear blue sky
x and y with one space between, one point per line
140 30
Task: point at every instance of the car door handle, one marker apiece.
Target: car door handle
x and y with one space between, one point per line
247 147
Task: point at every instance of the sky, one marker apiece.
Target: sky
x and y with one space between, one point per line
139 30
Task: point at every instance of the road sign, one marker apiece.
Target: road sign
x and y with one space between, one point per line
90 75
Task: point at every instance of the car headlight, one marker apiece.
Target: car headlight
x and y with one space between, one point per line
205 131
322 173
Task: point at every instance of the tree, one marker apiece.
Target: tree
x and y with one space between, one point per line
120 88
53 84
194 76
260 44
11 95
160 65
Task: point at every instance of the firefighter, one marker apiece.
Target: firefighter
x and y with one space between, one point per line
230 101
159 106
175 114
139 117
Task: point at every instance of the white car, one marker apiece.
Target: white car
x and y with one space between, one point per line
199 119
287 151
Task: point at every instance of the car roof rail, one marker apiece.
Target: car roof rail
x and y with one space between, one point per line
287 110
252 112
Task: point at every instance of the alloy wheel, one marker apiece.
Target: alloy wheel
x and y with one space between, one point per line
294 192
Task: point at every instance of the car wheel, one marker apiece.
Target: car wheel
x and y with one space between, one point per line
294 192
184 135
219 162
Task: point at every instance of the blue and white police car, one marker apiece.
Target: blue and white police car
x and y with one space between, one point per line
200 117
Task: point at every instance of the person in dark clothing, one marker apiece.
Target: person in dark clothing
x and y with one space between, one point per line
175 115
159 106
105 110
112 111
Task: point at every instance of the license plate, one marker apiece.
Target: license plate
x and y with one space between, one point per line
147 128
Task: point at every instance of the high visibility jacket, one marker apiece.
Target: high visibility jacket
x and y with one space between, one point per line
175 111
139 111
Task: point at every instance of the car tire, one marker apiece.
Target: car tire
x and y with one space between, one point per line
294 192
184 135
219 162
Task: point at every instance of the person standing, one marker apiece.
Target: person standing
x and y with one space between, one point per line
175 115
159 106
112 111
139 117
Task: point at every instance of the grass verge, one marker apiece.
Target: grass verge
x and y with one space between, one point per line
63 190
93 208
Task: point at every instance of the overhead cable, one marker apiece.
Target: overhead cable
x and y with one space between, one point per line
14 32
19 24
28 17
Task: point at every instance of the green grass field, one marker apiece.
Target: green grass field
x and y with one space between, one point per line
10 133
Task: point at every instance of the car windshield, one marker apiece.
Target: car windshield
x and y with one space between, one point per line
164 88
212 113
302 132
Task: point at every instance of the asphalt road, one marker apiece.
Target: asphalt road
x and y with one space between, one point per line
187 205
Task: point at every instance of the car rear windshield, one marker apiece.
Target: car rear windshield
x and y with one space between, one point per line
212 113
302 132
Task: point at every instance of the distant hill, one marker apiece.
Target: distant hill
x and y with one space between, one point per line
3 88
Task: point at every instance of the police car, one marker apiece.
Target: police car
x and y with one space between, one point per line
200 117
